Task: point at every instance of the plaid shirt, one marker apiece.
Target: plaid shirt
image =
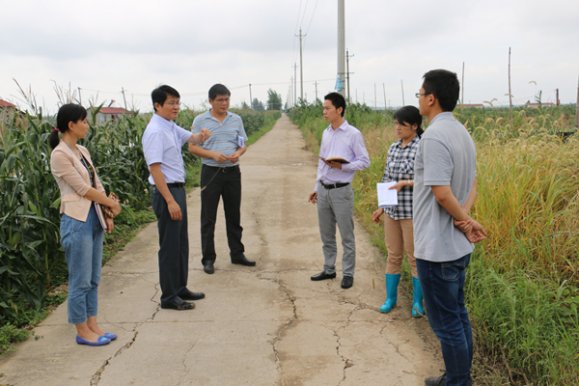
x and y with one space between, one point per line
400 166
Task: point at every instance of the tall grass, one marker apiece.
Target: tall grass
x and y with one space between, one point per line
522 288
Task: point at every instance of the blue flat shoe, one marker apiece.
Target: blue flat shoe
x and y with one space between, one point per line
101 341
110 336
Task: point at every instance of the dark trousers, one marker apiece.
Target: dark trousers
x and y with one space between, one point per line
173 245
216 183
443 285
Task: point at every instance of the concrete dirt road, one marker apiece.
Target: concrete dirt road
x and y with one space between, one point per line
267 325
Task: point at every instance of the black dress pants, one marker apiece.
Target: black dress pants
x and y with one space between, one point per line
221 183
173 245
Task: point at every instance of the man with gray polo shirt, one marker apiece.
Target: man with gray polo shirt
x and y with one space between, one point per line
162 142
342 153
220 176
444 192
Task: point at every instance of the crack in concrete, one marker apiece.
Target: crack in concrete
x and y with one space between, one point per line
184 364
96 377
346 361
357 306
283 328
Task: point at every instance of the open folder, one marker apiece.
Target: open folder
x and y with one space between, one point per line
386 196
335 159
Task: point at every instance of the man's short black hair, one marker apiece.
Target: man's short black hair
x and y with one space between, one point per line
160 94
337 100
218 89
444 85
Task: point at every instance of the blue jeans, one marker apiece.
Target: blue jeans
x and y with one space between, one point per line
443 286
83 249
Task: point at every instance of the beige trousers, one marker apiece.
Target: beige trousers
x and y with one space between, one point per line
399 238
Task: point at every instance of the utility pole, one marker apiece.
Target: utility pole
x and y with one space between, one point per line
124 97
250 98
402 88
301 66
510 92
384 92
557 101
341 47
79 97
316 88
295 80
375 99
348 56
462 86
577 106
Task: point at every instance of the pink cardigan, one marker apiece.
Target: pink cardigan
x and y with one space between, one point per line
73 180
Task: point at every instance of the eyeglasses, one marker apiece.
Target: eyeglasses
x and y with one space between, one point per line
419 94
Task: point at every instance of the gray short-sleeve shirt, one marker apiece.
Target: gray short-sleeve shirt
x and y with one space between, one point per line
446 156
225 135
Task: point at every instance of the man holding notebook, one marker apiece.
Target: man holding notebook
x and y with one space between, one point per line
342 153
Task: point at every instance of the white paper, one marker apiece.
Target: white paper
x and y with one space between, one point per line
386 196
240 141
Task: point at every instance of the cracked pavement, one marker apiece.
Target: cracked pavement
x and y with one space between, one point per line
267 325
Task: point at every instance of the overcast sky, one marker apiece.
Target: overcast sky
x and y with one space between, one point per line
104 46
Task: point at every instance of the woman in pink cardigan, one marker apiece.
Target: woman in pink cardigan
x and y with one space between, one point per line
81 231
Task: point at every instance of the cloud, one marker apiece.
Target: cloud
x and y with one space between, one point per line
108 45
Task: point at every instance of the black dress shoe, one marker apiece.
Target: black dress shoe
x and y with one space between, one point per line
190 295
243 261
347 282
323 276
179 306
208 267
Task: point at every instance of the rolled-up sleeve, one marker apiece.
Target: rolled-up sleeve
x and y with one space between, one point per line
153 148
361 159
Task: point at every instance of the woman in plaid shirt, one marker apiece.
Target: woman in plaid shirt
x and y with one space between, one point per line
398 233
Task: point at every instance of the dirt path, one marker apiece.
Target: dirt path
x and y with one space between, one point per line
268 325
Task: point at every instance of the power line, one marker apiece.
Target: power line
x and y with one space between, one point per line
312 17
304 14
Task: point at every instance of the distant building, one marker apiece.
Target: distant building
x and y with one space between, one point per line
8 112
532 105
6 105
107 114
470 105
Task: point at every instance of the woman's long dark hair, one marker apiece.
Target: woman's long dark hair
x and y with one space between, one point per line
69 112
410 115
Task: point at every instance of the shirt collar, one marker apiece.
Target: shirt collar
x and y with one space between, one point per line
443 115
162 121
414 140
343 126
215 119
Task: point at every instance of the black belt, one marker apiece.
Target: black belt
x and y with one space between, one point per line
336 185
223 169
176 184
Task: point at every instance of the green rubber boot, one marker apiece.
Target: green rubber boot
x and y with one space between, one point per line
392 281
417 308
